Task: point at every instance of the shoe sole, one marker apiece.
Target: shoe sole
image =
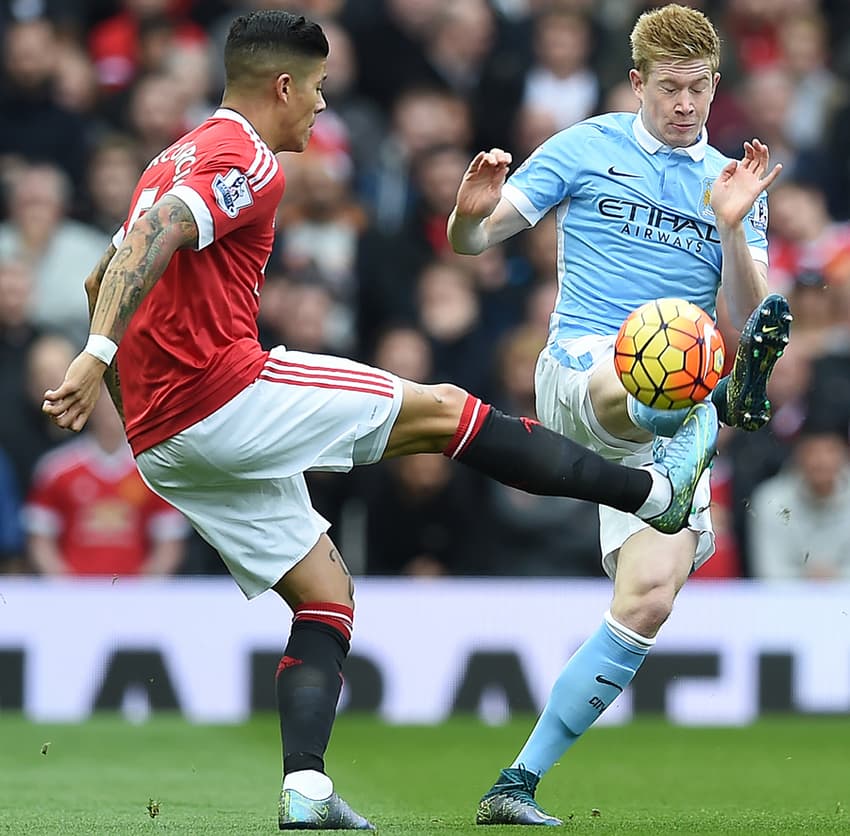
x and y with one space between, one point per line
763 342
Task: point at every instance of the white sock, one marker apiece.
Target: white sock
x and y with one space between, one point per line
660 495
310 783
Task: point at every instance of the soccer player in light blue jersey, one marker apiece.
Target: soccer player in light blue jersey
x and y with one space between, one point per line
646 208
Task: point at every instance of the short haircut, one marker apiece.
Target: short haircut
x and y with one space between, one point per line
674 33
264 41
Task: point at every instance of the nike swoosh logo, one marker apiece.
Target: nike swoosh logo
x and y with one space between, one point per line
603 681
612 170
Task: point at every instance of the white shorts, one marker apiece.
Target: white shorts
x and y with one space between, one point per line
237 475
561 383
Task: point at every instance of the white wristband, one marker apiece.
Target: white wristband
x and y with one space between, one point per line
101 347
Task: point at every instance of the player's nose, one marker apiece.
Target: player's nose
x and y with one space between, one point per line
684 102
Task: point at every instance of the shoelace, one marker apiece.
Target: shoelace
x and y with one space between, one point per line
522 789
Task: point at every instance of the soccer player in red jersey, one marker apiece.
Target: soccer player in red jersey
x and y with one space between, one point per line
224 430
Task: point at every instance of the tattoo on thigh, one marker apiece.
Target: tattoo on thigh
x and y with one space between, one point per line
336 557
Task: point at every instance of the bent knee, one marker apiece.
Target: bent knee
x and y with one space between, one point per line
645 612
428 419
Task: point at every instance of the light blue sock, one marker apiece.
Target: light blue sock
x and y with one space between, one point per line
594 677
662 422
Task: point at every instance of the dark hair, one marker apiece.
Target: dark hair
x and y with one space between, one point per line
258 37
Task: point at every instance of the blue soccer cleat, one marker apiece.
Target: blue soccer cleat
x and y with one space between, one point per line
297 812
683 461
762 343
511 801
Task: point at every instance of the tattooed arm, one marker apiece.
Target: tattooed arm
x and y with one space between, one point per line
129 276
92 285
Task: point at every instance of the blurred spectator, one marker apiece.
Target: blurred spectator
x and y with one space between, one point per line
89 512
75 82
406 352
561 81
117 45
153 110
450 316
421 119
113 170
805 56
61 252
803 236
17 330
11 533
364 121
525 534
502 284
532 127
801 526
422 516
394 38
620 99
297 312
389 262
751 30
319 227
755 457
189 66
33 125
25 432
814 310
766 98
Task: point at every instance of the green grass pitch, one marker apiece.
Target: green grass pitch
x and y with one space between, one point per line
782 775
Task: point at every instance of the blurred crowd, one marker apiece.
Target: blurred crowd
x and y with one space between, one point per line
93 89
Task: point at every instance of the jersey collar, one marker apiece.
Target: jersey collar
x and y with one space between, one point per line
652 145
235 116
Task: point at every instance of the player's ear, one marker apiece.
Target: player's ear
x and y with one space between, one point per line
714 82
636 81
283 86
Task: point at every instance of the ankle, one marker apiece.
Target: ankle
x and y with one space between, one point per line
310 783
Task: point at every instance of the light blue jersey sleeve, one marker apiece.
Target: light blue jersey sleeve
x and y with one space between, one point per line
548 176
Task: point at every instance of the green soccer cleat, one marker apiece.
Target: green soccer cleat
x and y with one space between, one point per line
683 460
762 343
511 801
297 812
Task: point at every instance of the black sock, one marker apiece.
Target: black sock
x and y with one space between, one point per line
522 453
719 399
309 680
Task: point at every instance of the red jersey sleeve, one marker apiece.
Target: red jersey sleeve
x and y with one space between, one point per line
225 191
227 176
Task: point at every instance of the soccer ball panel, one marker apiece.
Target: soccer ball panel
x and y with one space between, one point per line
669 354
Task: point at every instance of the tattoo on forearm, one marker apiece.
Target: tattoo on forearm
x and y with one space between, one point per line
139 262
95 278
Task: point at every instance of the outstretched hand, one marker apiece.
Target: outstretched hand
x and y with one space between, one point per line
70 405
741 182
481 186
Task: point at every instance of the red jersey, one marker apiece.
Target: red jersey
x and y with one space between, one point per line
103 516
192 344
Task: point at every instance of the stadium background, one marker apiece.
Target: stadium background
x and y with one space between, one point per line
93 90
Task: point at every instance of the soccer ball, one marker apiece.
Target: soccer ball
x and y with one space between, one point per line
669 354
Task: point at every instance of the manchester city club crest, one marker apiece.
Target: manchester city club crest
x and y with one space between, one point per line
705 198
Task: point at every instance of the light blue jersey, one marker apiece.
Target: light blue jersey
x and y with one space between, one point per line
633 217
